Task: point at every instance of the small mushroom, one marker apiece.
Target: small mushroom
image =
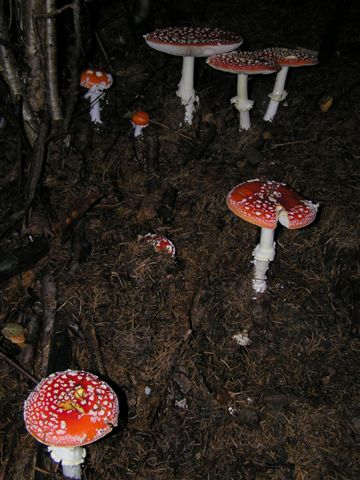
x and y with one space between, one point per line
285 58
96 81
264 203
191 42
139 121
15 333
68 410
242 64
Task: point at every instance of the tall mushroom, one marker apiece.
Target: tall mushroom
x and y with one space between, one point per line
96 81
191 42
264 203
285 58
243 64
68 410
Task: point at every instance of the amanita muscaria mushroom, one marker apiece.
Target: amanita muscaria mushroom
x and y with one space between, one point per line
285 58
96 81
68 410
191 42
243 64
265 203
139 121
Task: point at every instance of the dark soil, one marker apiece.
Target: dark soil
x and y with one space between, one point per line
194 403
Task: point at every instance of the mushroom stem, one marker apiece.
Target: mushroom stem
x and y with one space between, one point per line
138 130
186 89
70 458
95 94
277 95
263 254
241 101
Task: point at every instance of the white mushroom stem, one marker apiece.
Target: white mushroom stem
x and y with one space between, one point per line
138 129
277 95
186 89
94 94
263 254
241 101
70 458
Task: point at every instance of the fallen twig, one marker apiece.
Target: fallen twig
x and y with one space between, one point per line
18 367
48 297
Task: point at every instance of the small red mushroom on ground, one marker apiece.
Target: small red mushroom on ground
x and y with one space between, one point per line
139 121
96 81
68 410
265 203
191 42
285 58
242 64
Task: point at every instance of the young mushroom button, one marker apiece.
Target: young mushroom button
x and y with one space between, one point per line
139 121
285 58
264 204
96 81
242 64
68 410
191 42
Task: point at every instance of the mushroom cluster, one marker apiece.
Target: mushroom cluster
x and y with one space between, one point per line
68 410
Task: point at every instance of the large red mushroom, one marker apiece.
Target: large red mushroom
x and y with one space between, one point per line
285 58
68 410
265 203
243 64
191 42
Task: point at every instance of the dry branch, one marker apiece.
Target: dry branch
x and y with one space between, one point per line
48 297
51 63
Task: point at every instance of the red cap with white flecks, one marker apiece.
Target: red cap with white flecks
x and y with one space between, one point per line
91 77
242 62
264 203
193 41
290 57
71 409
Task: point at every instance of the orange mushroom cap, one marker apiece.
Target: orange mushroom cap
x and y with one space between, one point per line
261 203
71 409
140 118
92 76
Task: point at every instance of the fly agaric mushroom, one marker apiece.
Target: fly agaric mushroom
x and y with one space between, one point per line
243 64
96 81
191 42
285 58
139 121
68 410
264 204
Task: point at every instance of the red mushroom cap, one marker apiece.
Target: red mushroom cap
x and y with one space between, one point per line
193 41
286 57
261 203
242 62
71 409
92 76
140 118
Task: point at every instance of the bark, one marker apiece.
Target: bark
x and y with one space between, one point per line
9 70
52 63
33 53
74 67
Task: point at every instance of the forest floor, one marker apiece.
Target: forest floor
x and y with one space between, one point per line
195 404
